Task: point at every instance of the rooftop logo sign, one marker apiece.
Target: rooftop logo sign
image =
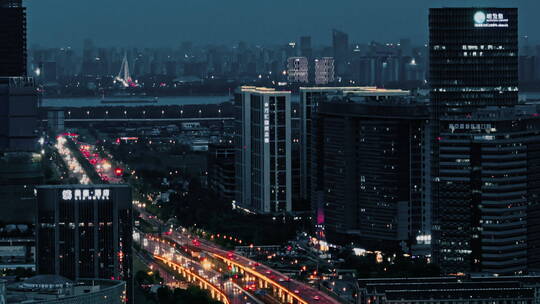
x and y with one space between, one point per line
85 194
491 19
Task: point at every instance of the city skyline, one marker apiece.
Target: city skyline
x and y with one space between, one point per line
298 152
209 22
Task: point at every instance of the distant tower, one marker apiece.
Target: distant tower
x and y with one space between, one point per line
324 70
13 38
297 69
305 47
340 43
123 75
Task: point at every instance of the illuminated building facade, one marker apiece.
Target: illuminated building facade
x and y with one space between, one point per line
297 70
85 231
263 142
324 70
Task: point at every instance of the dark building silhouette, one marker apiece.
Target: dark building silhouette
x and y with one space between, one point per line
305 47
13 38
20 162
368 174
340 43
85 231
221 170
18 114
527 69
306 51
488 191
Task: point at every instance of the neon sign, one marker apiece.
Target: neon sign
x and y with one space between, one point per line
482 19
85 194
469 126
266 123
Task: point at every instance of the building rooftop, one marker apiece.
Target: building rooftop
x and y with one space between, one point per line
10 3
51 288
89 186
47 281
18 82
522 111
262 90
446 288
359 91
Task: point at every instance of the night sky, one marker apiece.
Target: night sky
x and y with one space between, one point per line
57 23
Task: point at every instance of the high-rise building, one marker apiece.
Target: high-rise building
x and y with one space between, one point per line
340 43
85 231
369 182
299 204
526 69
487 191
263 141
484 169
537 64
13 37
297 70
305 47
20 160
324 70
306 50
309 101
473 58
20 170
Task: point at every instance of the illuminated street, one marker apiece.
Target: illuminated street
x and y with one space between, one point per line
290 291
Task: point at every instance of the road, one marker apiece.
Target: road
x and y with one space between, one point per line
234 293
301 292
103 165
168 279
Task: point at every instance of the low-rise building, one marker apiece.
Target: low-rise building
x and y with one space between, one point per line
444 290
54 289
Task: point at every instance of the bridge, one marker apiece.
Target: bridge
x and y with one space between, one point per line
145 119
202 274
135 121
195 279
281 288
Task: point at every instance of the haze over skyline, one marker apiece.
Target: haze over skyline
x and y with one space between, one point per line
169 22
